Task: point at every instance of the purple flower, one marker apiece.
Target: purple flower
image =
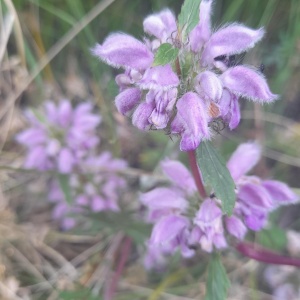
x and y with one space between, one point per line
182 221
60 137
208 230
256 198
184 103
64 139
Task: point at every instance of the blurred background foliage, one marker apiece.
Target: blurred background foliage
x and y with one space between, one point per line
48 33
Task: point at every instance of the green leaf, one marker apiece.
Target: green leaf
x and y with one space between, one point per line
64 183
165 54
273 238
189 16
217 281
216 174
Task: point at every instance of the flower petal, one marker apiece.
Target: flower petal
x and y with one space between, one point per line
167 229
208 213
235 112
164 198
161 25
208 86
66 161
233 39
248 83
159 78
201 33
255 196
280 192
122 50
127 100
179 175
193 114
65 113
141 115
236 227
243 159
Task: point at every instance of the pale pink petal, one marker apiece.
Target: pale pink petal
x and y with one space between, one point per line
243 159
248 83
233 39
122 50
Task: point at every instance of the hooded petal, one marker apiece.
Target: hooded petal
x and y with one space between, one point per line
201 33
161 25
243 159
122 50
208 213
141 115
233 39
236 227
31 137
167 229
159 78
179 175
208 86
255 196
248 83
280 192
256 221
164 198
127 100
193 113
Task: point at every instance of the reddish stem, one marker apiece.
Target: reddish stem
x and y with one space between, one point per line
260 254
250 250
196 173
109 295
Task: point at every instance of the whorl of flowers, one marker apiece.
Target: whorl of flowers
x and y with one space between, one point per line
95 187
182 221
63 139
201 85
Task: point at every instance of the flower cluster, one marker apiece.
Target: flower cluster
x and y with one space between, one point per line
182 221
60 138
200 86
64 140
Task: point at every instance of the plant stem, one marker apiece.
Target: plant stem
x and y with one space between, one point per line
196 173
260 254
121 264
